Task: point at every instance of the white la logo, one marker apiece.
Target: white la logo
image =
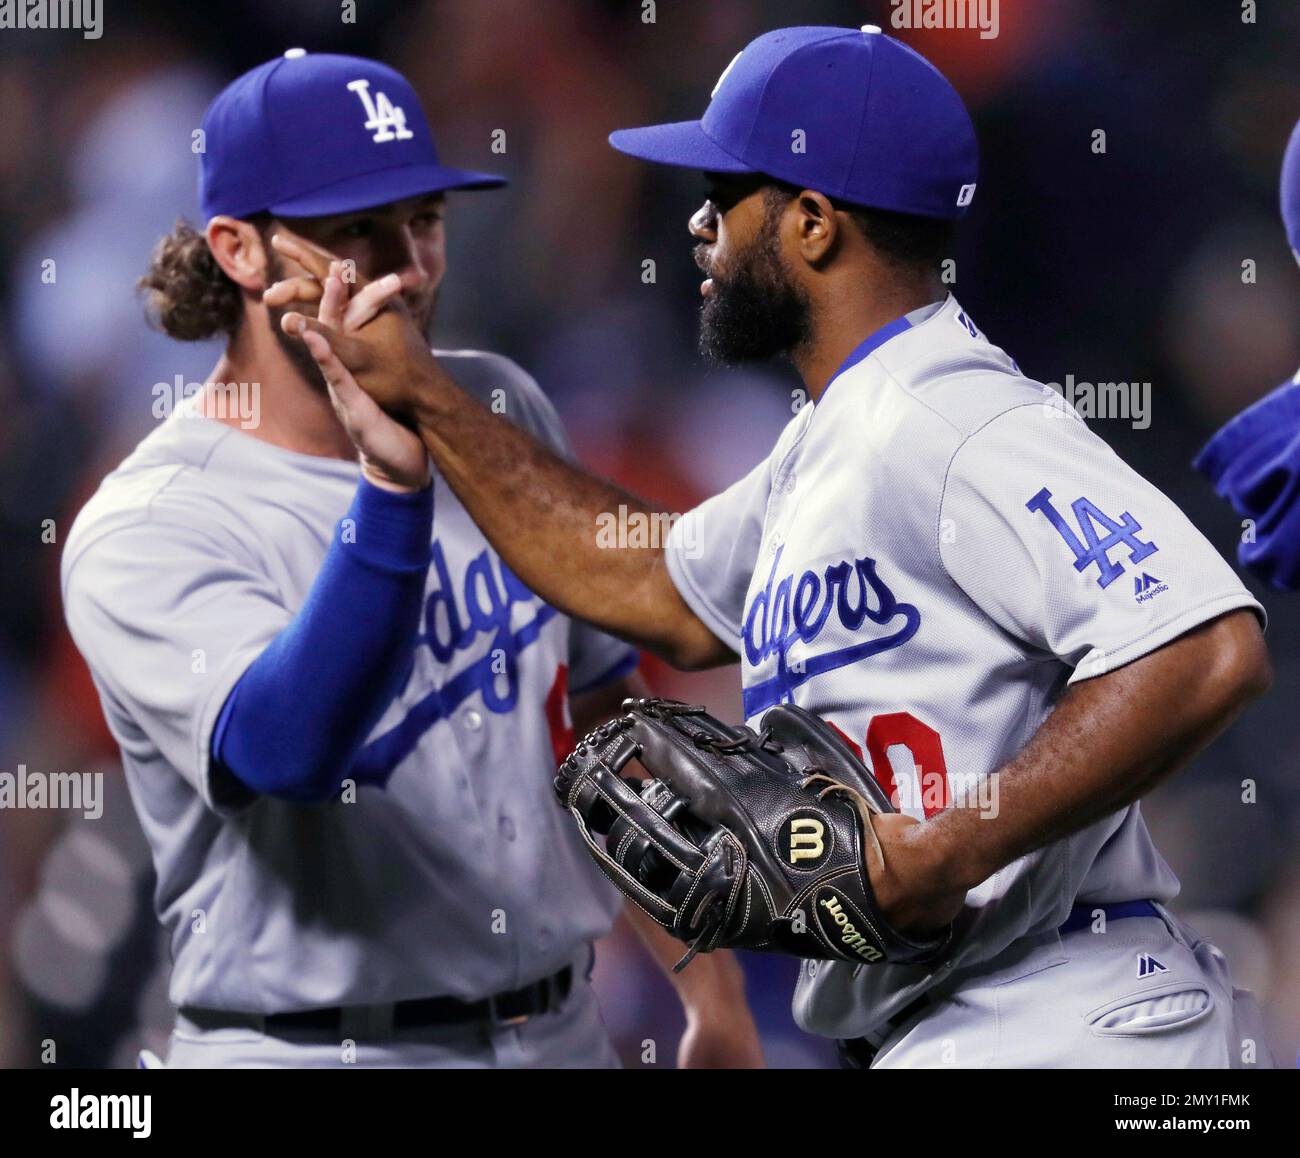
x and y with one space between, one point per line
725 72
388 120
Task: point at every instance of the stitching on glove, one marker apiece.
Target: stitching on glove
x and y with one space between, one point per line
622 844
618 807
738 882
767 896
698 878
616 872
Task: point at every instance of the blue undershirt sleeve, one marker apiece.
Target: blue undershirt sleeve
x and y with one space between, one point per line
294 723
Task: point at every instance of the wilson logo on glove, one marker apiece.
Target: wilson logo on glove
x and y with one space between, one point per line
804 841
725 835
845 929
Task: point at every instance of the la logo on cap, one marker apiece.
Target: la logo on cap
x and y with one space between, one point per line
388 120
725 71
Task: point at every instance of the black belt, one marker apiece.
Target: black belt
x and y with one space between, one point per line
511 1008
857 1053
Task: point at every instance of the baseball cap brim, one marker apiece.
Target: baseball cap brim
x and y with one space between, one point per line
684 144
366 190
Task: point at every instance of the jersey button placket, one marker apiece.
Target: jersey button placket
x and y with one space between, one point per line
467 734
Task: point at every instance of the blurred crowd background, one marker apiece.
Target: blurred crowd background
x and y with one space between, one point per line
1125 265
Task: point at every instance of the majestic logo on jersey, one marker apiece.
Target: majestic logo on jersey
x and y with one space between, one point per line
1147 587
961 317
804 840
1147 965
1092 548
387 119
789 613
489 594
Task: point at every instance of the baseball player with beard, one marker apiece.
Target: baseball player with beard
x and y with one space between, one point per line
339 711
1020 634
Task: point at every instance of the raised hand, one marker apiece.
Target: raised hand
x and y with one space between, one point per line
367 298
392 456
371 343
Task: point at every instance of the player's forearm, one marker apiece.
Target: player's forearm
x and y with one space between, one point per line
294 723
1109 742
715 981
544 516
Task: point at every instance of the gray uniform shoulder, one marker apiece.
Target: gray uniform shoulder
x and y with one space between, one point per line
948 367
508 389
159 485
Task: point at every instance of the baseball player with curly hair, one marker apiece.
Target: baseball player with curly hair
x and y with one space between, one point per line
339 711
1019 634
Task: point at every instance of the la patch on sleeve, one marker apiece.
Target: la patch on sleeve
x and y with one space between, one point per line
1098 535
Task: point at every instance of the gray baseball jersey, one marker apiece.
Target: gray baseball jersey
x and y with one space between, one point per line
461 877
930 555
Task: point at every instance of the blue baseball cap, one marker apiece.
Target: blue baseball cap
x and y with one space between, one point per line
306 135
1291 190
851 113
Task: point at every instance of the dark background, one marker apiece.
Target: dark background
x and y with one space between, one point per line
1124 265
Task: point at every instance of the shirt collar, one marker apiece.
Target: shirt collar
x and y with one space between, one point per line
874 341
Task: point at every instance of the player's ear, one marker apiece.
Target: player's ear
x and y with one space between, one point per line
818 226
237 247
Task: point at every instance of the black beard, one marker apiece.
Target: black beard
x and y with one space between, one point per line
757 313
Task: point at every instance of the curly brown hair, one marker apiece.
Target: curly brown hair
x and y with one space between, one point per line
189 296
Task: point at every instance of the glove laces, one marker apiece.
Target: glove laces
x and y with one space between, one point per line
858 800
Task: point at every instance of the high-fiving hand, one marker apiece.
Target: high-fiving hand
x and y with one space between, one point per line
369 352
